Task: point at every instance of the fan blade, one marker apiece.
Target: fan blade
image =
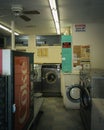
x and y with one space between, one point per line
25 18
1 16
31 12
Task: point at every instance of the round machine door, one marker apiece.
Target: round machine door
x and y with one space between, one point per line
35 75
73 93
51 77
87 82
85 98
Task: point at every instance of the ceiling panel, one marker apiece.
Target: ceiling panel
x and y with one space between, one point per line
70 12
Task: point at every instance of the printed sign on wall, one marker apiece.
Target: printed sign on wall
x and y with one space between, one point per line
80 27
42 52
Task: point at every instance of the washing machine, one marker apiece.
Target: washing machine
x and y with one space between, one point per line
72 97
71 93
92 89
51 80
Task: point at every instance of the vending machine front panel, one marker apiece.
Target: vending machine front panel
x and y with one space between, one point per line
21 91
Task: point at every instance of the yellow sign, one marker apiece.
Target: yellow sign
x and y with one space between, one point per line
42 52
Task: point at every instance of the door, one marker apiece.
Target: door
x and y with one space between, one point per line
85 107
73 93
50 82
85 98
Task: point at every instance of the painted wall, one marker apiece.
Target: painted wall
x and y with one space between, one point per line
94 36
49 54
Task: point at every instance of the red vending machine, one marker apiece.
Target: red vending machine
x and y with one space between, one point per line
18 66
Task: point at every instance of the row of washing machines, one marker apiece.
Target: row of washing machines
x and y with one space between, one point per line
91 95
48 77
48 81
80 91
86 93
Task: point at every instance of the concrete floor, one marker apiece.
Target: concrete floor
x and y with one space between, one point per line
56 117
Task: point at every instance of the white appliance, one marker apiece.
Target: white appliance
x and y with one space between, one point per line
72 97
37 72
71 93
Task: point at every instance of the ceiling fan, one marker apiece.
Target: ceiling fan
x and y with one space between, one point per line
18 11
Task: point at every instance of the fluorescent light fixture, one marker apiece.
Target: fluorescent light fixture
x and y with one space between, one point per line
52 4
16 33
57 27
7 29
55 15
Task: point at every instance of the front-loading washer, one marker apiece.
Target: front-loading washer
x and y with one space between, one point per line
92 89
71 99
51 80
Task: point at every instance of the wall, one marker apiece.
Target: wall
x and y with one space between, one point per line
49 54
94 37
53 52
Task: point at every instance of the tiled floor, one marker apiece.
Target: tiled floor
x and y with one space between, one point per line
56 117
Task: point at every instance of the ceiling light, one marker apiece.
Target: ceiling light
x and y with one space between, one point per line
57 27
52 4
7 29
55 15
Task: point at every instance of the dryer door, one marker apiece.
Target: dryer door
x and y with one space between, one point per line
51 77
85 98
73 93
50 81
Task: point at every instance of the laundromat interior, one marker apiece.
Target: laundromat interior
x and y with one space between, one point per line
51 65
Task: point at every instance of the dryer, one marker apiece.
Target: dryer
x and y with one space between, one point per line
71 93
93 88
72 97
51 80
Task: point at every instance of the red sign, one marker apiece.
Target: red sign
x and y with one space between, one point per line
22 91
66 45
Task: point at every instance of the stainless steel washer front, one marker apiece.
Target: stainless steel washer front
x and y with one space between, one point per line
51 80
